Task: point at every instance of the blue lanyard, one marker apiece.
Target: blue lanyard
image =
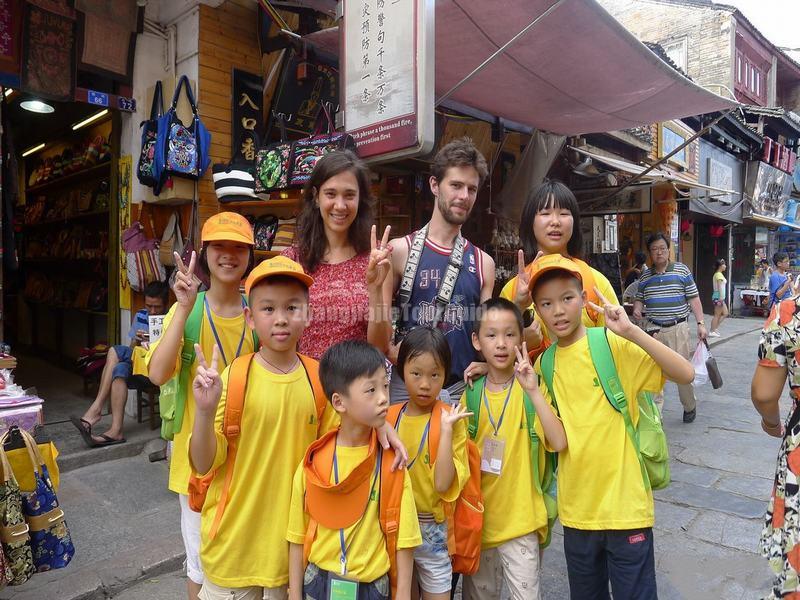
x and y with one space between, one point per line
489 410
421 442
342 545
216 337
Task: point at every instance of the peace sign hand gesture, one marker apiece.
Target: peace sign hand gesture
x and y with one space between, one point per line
616 318
186 283
523 369
207 384
380 263
522 296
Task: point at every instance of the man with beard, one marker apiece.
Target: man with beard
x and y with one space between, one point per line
439 277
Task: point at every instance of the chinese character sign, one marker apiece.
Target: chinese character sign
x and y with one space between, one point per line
381 74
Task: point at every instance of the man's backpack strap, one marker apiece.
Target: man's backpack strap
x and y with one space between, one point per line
191 336
311 367
473 395
232 427
603 360
390 503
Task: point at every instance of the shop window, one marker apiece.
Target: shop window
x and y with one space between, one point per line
738 67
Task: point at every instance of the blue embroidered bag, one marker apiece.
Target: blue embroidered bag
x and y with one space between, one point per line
51 543
181 150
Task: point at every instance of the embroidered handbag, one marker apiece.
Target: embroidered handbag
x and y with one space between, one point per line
51 543
307 151
274 164
145 167
182 150
14 534
142 262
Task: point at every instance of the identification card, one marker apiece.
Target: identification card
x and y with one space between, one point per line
492 455
342 589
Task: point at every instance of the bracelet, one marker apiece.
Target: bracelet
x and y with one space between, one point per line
767 427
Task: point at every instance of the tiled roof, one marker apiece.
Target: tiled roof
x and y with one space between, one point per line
658 50
774 111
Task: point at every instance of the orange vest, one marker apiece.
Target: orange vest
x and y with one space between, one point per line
338 506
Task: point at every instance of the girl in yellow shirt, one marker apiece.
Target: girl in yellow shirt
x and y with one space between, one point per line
439 468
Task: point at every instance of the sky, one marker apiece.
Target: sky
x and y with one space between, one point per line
778 20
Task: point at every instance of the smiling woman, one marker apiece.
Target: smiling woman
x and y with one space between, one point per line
336 243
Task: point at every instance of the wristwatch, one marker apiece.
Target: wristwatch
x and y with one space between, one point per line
527 318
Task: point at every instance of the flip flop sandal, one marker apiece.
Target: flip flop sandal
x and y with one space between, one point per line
107 441
85 429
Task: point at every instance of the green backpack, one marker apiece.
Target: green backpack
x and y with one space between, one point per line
544 481
648 437
172 398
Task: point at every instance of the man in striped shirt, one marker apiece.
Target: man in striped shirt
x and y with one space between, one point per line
667 293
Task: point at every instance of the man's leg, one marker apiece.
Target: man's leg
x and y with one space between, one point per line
93 413
119 396
685 392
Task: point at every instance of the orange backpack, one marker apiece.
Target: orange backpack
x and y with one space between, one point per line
465 515
231 428
319 458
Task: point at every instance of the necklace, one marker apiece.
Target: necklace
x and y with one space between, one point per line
289 370
503 384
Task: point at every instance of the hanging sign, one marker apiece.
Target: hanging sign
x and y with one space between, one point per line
97 98
389 76
247 122
307 83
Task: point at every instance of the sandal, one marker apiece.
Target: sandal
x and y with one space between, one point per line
84 428
107 441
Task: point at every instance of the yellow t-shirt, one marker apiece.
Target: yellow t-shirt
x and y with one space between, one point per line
230 332
367 559
426 498
600 482
279 421
512 506
600 280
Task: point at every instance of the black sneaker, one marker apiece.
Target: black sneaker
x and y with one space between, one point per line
688 417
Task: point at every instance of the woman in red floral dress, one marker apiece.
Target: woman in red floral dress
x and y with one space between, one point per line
336 244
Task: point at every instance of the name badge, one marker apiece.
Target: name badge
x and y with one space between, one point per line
342 589
492 455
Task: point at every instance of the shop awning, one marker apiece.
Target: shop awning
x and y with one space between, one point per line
577 70
659 174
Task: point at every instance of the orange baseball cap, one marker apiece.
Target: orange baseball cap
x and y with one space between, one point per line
228 227
552 262
278 265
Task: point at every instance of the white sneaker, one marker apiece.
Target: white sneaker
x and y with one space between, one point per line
714 334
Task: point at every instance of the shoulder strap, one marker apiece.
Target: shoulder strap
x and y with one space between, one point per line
231 428
311 367
157 106
390 503
548 367
435 430
448 283
603 360
411 266
473 395
191 335
184 81
393 416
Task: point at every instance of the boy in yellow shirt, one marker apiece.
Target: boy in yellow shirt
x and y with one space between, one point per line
604 503
337 518
515 517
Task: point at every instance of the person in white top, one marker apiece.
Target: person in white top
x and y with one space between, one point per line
719 296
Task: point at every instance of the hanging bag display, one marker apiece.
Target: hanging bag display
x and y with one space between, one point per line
182 150
142 261
14 532
51 543
190 246
145 167
274 164
307 151
234 181
171 240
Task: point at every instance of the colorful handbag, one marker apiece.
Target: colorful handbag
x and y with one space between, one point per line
234 181
273 164
142 262
145 167
307 151
51 543
182 150
14 532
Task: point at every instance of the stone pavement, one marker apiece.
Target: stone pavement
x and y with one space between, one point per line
126 529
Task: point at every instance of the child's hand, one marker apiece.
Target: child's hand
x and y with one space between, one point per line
523 369
380 262
207 384
452 415
616 318
474 371
186 284
522 295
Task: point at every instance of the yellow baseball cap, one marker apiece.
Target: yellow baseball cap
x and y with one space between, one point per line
552 262
278 265
228 227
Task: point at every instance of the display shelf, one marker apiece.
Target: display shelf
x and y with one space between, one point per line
72 177
276 204
65 220
267 253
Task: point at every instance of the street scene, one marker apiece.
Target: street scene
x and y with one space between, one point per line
399 300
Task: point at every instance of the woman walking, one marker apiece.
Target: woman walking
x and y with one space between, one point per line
719 296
